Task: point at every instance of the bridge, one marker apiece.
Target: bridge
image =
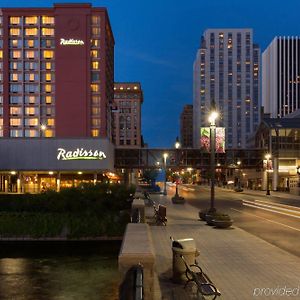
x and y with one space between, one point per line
146 158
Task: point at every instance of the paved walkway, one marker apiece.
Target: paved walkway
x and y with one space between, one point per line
240 264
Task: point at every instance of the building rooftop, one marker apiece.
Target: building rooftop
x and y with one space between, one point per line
282 122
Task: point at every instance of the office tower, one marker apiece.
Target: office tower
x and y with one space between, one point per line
127 128
186 126
226 72
281 77
56 71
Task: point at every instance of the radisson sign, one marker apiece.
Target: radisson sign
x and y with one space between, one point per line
71 42
80 154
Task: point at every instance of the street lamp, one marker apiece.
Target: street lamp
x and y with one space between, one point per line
43 127
267 157
177 199
239 163
212 119
165 155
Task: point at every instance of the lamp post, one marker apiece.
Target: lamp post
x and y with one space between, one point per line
165 155
177 199
212 119
239 163
268 156
43 127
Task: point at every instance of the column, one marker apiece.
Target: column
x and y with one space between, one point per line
58 182
275 174
19 183
95 178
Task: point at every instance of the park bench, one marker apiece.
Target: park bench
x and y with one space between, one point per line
195 274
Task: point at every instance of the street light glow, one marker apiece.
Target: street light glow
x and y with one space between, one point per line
212 117
268 156
165 155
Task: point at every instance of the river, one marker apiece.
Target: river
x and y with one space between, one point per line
59 270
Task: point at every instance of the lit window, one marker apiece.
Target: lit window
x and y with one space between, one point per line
32 122
16 133
14 31
48 76
48 100
47 54
14 77
94 53
30 99
95 99
30 54
95 20
31 31
31 133
49 133
48 88
31 77
95 111
47 20
30 43
15 43
14 20
95 88
16 54
95 65
96 30
95 122
95 132
15 110
1 54
47 31
95 43
15 122
31 20
48 65
50 122
30 111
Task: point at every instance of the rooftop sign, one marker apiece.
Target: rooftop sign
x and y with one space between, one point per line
71 42
80 154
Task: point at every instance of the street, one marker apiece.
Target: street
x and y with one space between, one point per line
272 218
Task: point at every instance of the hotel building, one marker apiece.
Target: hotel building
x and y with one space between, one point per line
226 72
127 125
56 92
186 126
281 77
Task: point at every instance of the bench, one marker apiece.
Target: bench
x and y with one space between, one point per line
195 274
160 214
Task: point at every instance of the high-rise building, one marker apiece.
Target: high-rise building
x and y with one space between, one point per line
186 126
281 76
56 94
56 70
127 129
226 72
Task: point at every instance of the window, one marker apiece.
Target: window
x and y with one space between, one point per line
95 111
94 53
14 20
1 54
95 88
95 65
48 88
31 20
15 43
95 43
15 111
15 54
31 31
48 54
31 77
31 122
47 65
95 99
95 20
48 77
31 43
15 77
15 100
31 88
29 54
95 76
31 100
50 122
15 88
47 20
14 31
31 66
48 99
15 122
31 111
95 132
49 133
16 133
47 31
31 133
47 43
95 122
96 31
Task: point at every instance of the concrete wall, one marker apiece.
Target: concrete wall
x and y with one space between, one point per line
137 247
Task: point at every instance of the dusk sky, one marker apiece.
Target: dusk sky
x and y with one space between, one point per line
156 43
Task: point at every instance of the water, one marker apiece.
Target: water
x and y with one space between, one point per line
59 271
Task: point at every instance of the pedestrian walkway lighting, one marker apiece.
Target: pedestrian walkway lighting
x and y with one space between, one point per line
165 155
267 157
212 120
239 163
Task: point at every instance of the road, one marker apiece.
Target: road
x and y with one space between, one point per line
273 219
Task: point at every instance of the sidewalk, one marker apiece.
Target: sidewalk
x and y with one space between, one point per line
239 264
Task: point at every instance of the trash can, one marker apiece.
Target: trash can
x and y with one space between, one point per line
187 248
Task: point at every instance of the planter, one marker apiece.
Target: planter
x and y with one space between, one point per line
222 223
209 219
178 200
202 214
